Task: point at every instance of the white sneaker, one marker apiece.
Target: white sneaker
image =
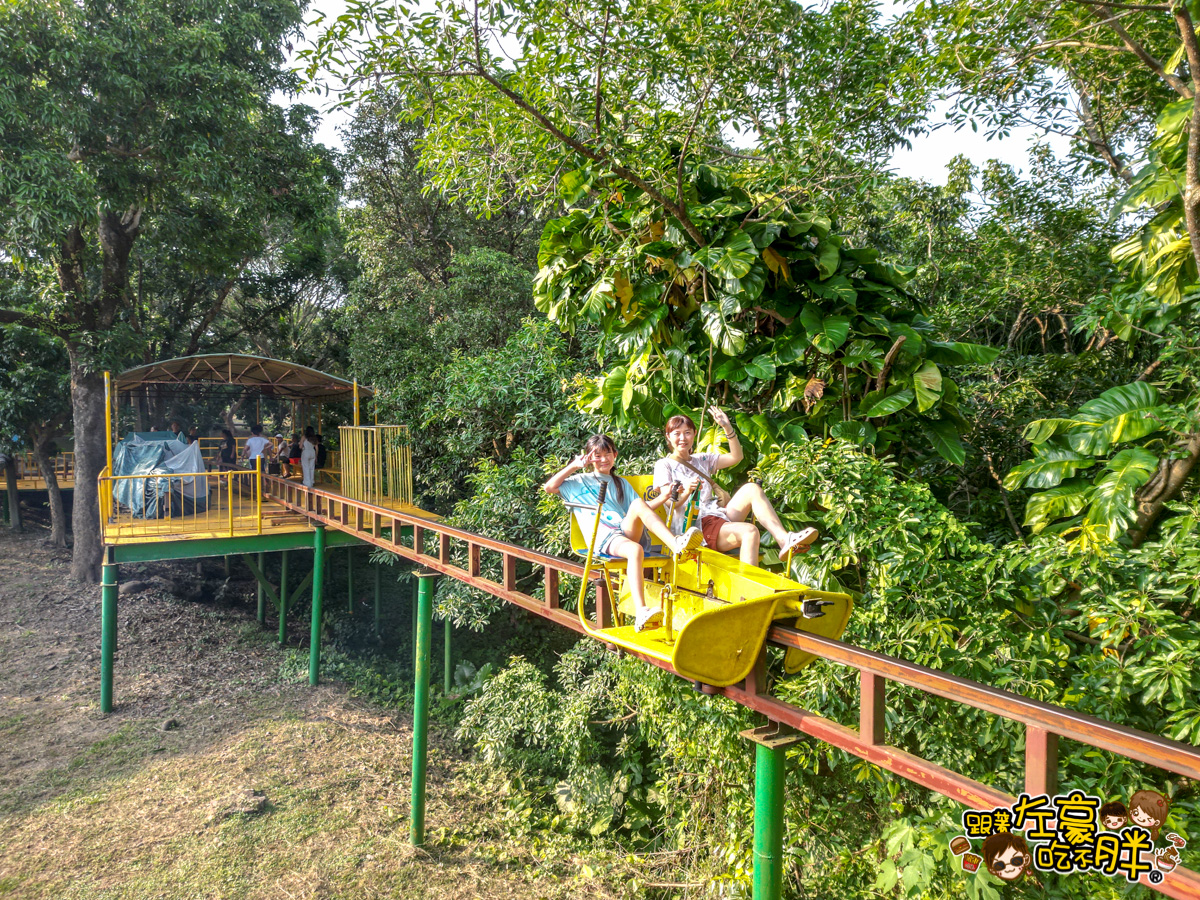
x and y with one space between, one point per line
647 618
689 540
798 539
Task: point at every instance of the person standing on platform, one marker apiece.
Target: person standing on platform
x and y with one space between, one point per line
228 449
256 445
322 455
279 457
308 457
294 453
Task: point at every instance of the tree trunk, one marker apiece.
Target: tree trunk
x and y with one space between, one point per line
58 525
87 409
1163 487
14 496
117 233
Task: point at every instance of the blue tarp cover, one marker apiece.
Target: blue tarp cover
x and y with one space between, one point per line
153 497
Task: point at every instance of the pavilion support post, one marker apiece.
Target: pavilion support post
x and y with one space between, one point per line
108 630
283 596
421 705
378 572
318 582
262 606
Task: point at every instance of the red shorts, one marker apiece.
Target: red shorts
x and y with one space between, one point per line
711 528
293 460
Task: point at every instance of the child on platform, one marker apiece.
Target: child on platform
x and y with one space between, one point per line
624 519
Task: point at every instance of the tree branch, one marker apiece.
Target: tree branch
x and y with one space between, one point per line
881 381
1191 192
27 320
596 155
1099 140
1104 12
600 69
1163 486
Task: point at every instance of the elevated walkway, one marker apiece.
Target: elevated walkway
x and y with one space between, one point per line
457 553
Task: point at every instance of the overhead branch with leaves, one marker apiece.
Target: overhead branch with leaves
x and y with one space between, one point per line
513 95
777 314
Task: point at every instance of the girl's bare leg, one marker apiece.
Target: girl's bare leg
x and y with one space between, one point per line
634 556
750 497
741 536
642 515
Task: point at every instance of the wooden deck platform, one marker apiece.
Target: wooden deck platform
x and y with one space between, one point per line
224 518
218 521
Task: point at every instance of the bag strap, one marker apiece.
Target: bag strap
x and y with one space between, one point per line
707 478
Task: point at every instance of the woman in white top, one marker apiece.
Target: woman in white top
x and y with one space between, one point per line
308 457
724 525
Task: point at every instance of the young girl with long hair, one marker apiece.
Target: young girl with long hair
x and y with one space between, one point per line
624 519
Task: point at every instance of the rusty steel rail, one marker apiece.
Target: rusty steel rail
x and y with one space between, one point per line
1044 723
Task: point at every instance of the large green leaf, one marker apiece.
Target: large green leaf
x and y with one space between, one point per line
860 352
944 436
958 353
826 333
854 431
1123 413
732 258
927 382
1113 498
1041 430
790 346
888 404
1057 503
1048 468
829 256
729 340
761 367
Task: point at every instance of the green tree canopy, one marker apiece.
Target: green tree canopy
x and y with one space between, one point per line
121 117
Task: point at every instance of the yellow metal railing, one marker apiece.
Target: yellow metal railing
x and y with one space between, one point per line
376 464
63 463
231 501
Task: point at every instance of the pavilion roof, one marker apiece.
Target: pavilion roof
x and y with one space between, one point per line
270 377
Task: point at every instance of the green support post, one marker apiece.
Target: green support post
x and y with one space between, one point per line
108 633
350 580
771 742
283 597
314 641
421 705
378 571
447 672
262 607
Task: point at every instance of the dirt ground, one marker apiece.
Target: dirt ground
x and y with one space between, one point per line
214 777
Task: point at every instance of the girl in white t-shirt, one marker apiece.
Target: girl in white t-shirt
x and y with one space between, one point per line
724 525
